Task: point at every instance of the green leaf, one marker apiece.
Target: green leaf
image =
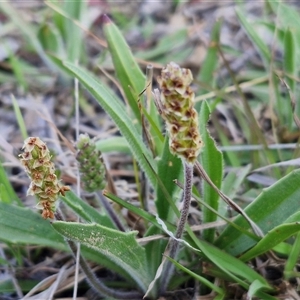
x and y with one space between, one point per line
128 72
85 211
289 61
22 226
117 112
288 18
19 118
171 42
113 144
270 209
154 250
169 168
60 64
75 10
231 184
210 62
119 247
212 161
271 239
199 278
255 286
292 258
257 41
293 218
7 194
237 270
50 38
18 70
31 229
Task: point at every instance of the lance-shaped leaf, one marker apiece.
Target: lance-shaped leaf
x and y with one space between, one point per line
273 238
117 112
270 209
212 161
119 247
128 72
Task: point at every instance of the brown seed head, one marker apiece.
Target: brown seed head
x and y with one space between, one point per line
178 111
37 162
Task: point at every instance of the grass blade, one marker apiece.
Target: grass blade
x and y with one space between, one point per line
197 277
272 238
7 194
128 72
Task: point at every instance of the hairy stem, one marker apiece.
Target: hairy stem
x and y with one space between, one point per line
95 283
174 244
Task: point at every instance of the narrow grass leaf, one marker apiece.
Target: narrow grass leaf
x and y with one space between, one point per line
169 43
18 70
128 72
51 40
210 62
270 209
201 279
19 118
289 61
212 161
8 195
116 110
169 168
233 267
271 239
119 247
75 10
288 18
255 286
293 257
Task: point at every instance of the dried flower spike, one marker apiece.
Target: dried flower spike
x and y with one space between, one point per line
178 111
44 185
91 166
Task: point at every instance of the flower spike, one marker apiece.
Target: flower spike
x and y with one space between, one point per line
91 166
45 186
177 107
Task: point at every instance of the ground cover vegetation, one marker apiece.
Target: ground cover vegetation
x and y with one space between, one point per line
150 150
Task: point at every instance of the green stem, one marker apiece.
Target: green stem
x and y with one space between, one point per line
95 283
174 244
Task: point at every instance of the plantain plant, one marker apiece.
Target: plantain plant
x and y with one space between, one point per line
170 142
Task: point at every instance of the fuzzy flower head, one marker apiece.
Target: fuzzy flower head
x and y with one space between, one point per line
44 184
91 166
178 111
